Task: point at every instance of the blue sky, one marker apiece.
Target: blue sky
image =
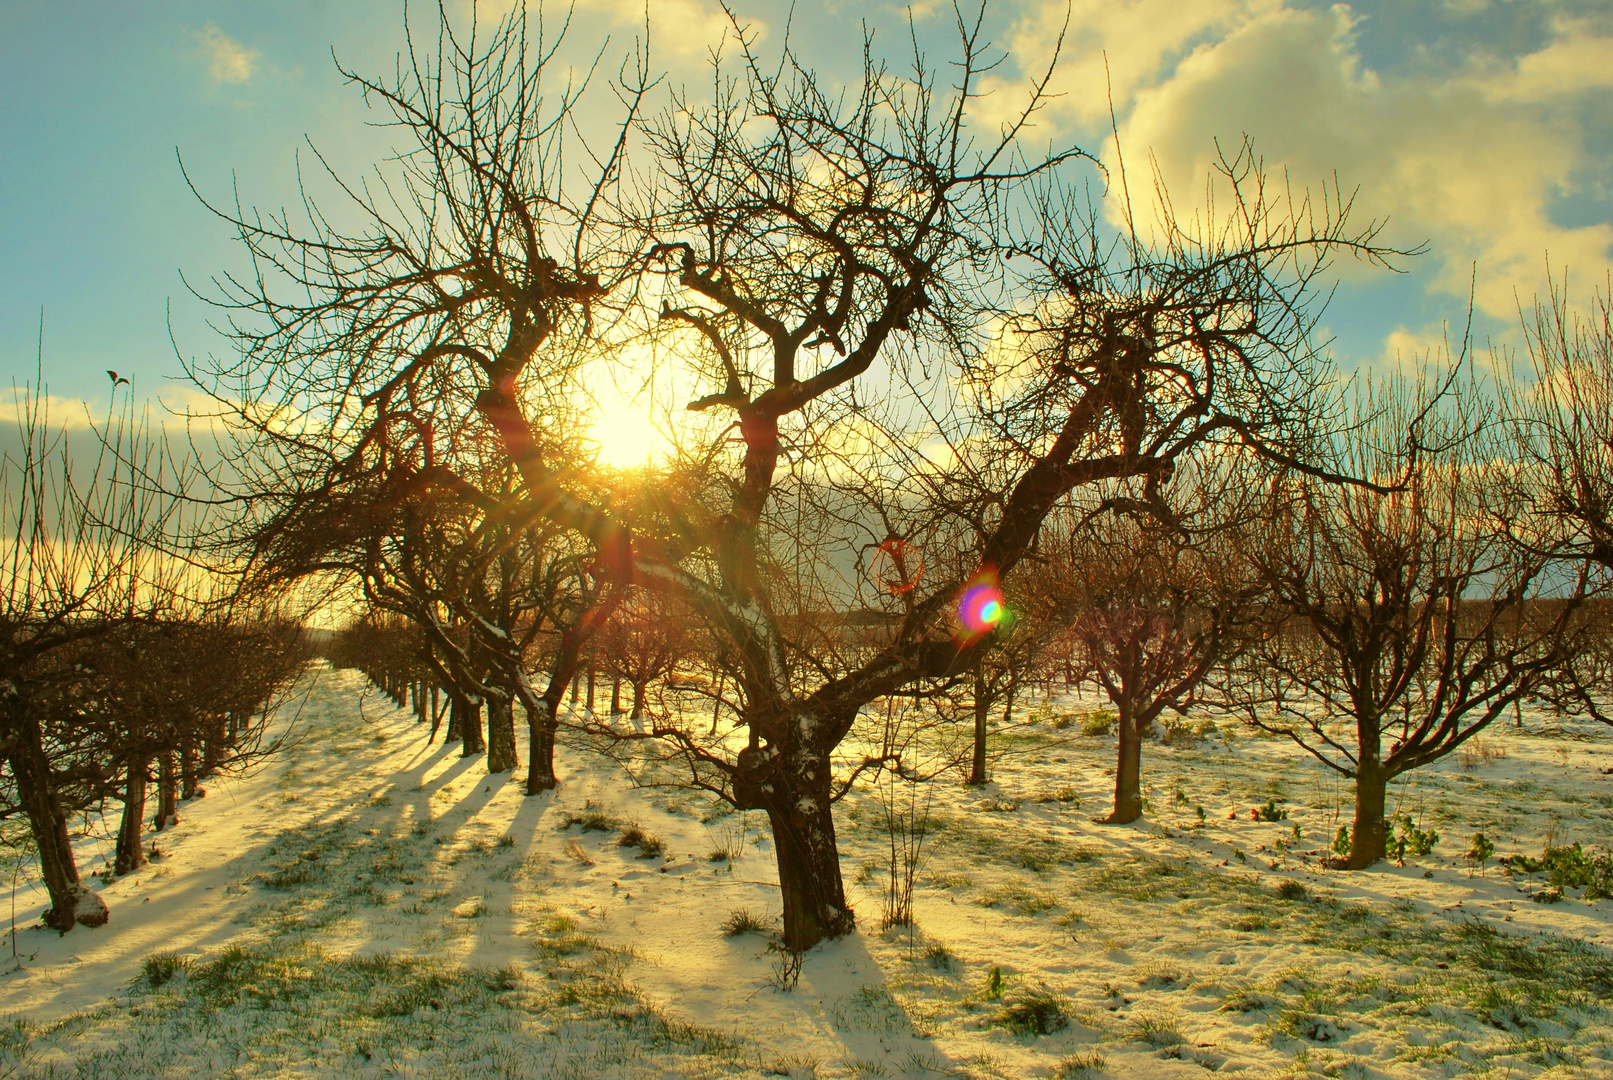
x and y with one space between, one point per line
1483 127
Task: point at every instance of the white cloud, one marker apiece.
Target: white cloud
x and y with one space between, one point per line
682 30
922 9
1467 161
1579 60
56 413
1138 40
228 61
1408 348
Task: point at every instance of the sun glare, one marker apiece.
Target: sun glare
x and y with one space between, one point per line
627 434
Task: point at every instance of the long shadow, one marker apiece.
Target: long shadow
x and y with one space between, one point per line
501 926
863 1015
170 904
496 925
424 759
453 772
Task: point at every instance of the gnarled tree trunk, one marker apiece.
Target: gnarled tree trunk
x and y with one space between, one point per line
465 721
71 902
501 754
794 788
541 726
131 853
543 716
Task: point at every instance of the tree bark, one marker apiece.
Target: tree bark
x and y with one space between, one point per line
131 853
542 722
616 697
501 753
465 718
977 767
541 726
167 800
813 892
187 767
794 790
71 902
1369 836
1128 772
215 746
638 701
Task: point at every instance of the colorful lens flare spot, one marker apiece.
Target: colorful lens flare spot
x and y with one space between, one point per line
982 607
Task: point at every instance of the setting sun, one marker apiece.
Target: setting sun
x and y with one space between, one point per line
626 432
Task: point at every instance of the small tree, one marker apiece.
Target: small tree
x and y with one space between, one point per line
1149 611
999 674
643 642
1412 621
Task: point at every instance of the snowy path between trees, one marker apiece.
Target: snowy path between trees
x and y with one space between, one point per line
366 905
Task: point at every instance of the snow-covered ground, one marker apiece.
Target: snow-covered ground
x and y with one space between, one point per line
366 905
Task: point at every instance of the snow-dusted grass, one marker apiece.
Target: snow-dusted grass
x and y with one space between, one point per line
290 1006
369 906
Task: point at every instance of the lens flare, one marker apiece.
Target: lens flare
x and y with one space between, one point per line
982 607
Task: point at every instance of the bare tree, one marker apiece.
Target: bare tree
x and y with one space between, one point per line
389 651
1412 619
457 305
199 688
643 642
1561 425
808 251
999 672
82 551
1150 611
486 590
805 241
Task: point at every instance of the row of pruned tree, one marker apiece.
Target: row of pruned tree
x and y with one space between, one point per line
1379 628
116 673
